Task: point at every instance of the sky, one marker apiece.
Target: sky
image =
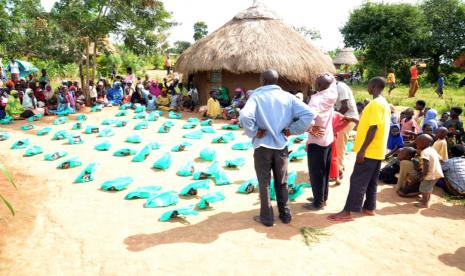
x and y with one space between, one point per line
326 16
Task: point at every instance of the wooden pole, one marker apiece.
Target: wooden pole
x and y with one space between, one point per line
88 103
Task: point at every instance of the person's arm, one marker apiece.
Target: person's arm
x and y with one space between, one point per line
445 166
247 118
304 115
425 168
368 139
393 151
344 107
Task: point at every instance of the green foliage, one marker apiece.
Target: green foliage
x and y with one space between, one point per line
312 235
180 46
57 69
308 33
200 30
10 180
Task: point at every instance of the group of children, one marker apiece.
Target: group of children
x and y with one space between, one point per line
426 147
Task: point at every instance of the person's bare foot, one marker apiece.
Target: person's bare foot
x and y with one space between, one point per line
341 216
421 205
368 212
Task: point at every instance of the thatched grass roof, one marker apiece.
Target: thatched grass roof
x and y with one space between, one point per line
253 41
345 56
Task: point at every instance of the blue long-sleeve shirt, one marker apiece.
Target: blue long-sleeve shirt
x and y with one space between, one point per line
272 109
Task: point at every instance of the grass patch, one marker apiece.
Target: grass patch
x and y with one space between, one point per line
453 96
312 235
457 200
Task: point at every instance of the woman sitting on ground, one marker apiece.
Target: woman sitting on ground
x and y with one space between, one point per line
164 100
30 103
102 94
137 97
213 106
14 107
237 103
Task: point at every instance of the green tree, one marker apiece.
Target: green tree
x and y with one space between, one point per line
180 46
200 30
386 33
308 33
445 20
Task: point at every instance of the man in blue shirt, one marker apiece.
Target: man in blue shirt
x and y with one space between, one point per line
269 117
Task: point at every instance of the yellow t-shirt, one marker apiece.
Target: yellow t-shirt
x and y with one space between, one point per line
441 147
391 78
376 113
213 108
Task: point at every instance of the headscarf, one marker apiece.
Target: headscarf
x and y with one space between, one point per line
430 119
40 96
14 107
239 98
28 102
395 141
115 94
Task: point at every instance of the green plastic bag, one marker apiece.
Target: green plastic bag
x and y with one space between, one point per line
140 116
105 146
44 131
154 145
21 144
186 170
195 135
153 116
106 132
235 163
291 177
191 189
75 139
27 127
60 121
224 139
81 117
92 129
116 184
87 175
124 106
159 112
297 155
209 198
296 190
7 120
162 200
221 178
143 192
35 117
108 122
121 123
168 123
164 162
142 155
55 155
69 163
65 112
302 147
208 154
208 129
207 122
164 129
60 135
207 173
193 120
231 127
139 108
124 152
189 126
242 146
121 113
181 147
248 187
297 139
34 150
174 115
96 108
4 136
141 125
185 211
134 139
77 126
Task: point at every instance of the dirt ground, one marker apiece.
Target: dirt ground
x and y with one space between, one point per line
63 228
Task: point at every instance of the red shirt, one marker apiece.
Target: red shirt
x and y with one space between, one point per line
413 73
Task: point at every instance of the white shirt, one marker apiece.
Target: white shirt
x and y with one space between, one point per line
345 93
92 92
14 67
434 166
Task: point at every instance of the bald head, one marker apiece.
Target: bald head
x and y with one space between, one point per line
423 141
269 77
323 81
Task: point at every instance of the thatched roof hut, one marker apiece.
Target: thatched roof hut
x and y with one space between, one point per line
345 57
253 41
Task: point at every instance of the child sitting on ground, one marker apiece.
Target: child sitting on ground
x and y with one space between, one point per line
408 126
407 182
454 172
455 126
395 141
213 106
441 144
151 103
431 169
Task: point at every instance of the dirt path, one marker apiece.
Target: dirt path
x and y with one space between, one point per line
76 229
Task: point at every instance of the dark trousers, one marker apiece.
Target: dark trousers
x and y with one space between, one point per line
319 164
267 160
363 183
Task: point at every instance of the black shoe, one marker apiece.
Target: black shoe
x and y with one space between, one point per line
312 207
259 220
310 199
285 219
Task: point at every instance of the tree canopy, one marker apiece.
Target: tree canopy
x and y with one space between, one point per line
200 30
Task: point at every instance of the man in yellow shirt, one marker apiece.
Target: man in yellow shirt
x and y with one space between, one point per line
370 145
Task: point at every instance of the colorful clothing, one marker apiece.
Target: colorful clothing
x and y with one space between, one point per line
323 103
430 119
441 148
13 107
454 173
395 141
213 108
410 125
